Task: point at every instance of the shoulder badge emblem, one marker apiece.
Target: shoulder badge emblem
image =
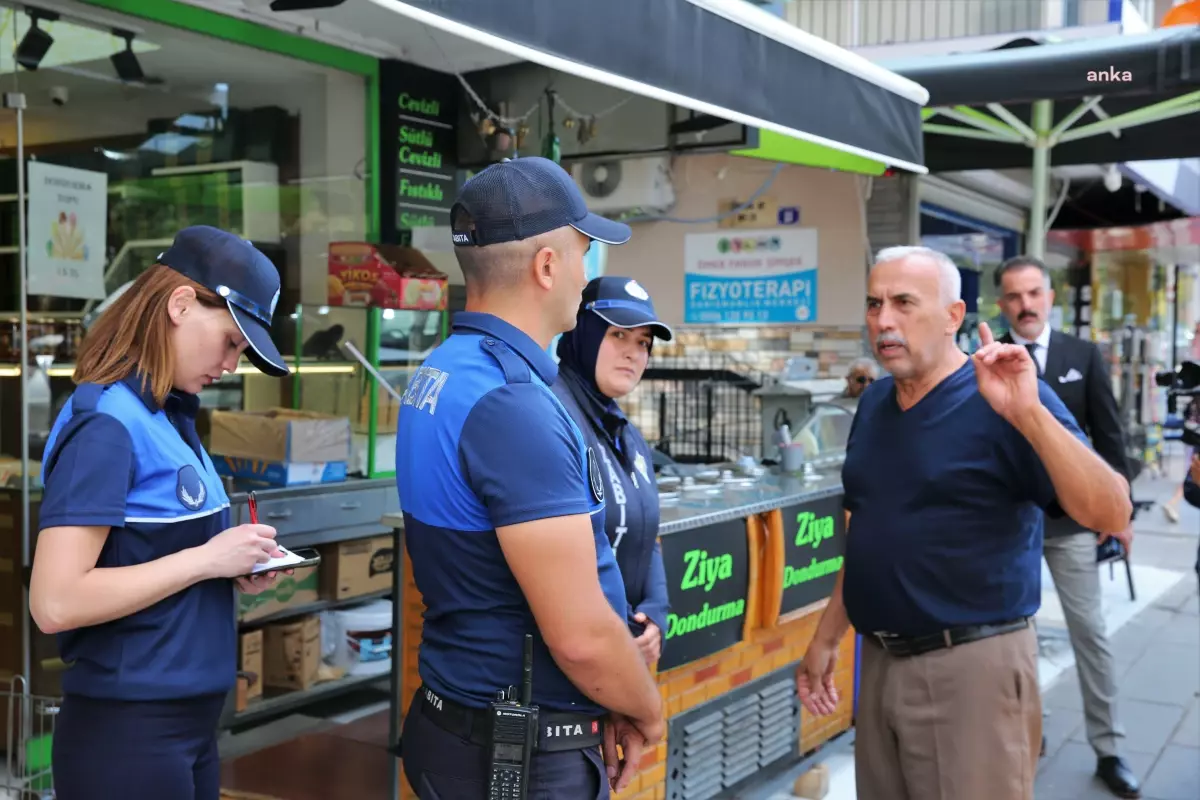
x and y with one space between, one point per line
594 478
190 489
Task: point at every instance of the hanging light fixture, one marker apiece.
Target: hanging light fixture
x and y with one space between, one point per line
303 5
125 62
36 42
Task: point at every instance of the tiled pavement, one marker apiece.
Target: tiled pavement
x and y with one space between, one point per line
1158 661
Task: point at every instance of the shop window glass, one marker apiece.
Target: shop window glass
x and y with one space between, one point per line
213 133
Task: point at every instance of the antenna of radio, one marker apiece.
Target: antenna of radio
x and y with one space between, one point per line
527 680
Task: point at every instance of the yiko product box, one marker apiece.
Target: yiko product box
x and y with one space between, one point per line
384 276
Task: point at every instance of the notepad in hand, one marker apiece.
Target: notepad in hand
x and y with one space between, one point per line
289 560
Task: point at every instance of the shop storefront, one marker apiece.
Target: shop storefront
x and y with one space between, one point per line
342 167
1140 304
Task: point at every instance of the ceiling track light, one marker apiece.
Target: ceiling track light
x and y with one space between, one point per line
125 62
303 5
36 42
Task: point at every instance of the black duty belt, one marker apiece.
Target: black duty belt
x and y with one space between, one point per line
908 646
557 731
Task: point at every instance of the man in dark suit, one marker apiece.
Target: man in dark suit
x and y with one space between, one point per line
1076 372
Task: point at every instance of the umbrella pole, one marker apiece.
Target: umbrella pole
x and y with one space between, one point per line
1042 122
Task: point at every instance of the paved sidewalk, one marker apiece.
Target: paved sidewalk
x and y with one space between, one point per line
1158 662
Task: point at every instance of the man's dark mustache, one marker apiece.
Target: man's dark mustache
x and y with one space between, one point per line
1028 315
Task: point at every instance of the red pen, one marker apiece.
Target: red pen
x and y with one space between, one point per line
253 503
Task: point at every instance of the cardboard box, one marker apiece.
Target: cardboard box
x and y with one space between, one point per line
297 589
292 653
350 396
250 659
357 567
281 436
10 473
384 276
281 473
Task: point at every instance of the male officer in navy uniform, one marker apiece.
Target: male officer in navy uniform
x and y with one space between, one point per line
1076 371
504 512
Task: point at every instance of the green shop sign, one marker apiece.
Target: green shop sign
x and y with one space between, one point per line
814 545
419 161
708 579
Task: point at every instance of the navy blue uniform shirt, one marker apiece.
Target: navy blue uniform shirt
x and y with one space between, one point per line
483 443
946 503
631 501
116 459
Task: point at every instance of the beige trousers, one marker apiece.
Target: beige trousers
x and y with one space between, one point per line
962 723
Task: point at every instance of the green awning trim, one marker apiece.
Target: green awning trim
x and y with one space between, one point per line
776 147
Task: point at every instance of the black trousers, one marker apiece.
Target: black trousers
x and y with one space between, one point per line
441 766
118 750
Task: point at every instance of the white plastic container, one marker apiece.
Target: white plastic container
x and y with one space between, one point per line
367 632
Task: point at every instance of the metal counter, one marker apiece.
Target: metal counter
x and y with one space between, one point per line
699 507
308 516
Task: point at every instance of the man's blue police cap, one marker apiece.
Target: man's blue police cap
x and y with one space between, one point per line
522 198
234 269
624 303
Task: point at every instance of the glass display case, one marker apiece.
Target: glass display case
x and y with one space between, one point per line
824 433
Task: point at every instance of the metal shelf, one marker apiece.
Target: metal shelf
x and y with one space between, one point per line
317 538
312 608
282 703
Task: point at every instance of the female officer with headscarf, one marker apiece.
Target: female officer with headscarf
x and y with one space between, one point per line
601 361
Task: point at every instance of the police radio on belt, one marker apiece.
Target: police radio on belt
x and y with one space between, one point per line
513 736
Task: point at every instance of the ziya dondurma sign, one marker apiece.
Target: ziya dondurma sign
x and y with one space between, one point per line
751 276
708 579
814 544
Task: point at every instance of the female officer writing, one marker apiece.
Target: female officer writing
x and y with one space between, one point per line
135 563
601 361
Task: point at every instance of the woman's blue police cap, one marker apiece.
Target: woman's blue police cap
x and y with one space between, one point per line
522 198
234 269
624 303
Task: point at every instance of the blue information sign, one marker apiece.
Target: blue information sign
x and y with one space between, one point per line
751 276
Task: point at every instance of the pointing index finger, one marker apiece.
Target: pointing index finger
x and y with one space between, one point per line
985 334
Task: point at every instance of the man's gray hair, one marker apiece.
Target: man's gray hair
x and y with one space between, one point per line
863 362
949 281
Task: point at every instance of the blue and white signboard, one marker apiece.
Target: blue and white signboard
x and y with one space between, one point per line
750 276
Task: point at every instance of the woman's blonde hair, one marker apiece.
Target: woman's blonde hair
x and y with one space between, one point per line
133 335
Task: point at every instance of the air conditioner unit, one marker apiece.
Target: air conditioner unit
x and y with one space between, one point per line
620 185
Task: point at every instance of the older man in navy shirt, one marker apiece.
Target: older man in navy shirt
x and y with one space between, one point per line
950 462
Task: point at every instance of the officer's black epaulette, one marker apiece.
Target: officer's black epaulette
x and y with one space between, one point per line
516 369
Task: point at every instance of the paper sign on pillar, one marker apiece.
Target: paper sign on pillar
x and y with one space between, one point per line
67 225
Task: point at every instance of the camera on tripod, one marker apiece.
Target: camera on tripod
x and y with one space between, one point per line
1185 382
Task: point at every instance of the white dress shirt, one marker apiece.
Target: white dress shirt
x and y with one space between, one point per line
1041 345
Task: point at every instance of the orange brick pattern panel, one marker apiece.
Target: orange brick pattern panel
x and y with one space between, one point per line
410 679
764 652
685 687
